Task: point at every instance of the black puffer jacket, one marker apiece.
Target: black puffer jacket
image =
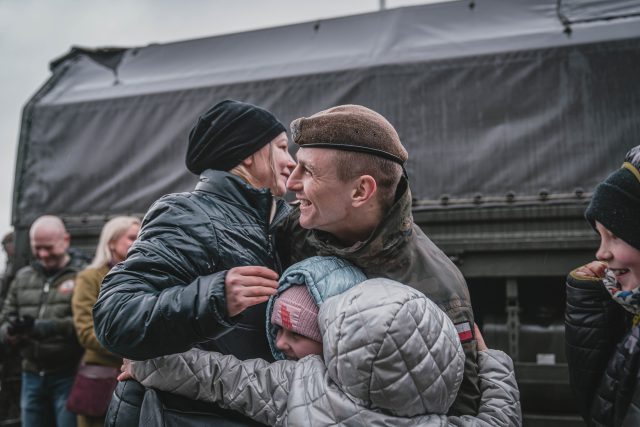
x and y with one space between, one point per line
603 352
46 297
168 295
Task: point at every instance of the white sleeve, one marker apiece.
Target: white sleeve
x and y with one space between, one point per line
255 388
500 400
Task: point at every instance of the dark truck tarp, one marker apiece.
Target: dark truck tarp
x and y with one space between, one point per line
510 97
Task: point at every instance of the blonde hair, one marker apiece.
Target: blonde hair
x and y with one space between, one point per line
112 230
241 171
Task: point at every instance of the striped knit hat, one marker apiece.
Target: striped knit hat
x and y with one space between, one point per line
616 201
296 311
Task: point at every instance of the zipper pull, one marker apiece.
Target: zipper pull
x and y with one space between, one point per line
43 299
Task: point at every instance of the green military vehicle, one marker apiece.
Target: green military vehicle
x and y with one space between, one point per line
511 110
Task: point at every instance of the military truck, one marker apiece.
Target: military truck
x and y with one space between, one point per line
511 111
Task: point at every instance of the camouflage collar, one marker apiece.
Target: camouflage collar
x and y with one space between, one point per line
390 234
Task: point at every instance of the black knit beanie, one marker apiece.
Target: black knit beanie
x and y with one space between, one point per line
616 201
228 133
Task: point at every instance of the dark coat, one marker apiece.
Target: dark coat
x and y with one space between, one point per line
603 352
46 297
168 295
84 298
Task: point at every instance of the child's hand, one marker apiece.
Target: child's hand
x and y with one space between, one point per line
126 369
479 339
594 269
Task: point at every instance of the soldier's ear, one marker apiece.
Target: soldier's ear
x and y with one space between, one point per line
364 189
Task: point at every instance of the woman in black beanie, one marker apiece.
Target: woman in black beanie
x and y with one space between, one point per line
191 277
602 328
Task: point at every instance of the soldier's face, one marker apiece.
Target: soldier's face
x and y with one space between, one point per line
50 248
325 201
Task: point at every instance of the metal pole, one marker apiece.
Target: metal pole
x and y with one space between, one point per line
513 318
383 4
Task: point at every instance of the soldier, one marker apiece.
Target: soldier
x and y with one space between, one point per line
355 202
36 318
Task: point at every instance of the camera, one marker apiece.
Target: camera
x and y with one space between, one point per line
20 325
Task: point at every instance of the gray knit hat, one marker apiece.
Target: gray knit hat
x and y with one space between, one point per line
350 128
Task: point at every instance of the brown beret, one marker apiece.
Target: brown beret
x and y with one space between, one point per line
350 127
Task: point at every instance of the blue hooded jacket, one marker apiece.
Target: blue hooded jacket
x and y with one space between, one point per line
324 277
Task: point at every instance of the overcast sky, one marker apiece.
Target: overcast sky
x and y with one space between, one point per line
33 32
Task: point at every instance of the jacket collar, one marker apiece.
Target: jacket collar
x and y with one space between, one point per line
74 265
388 236
233 188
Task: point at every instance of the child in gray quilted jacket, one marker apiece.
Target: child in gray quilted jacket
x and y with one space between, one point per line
390 356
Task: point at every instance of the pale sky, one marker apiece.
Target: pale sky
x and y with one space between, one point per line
34 32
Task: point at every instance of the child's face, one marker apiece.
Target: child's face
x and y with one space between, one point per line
622 259
296 346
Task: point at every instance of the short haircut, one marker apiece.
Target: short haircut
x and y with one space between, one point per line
47 222
350 165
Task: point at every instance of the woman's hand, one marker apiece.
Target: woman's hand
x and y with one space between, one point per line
248 286
594 269
126 370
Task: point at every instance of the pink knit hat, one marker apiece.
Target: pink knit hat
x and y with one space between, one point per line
296 311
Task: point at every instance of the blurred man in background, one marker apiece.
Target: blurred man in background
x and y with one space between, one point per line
36 319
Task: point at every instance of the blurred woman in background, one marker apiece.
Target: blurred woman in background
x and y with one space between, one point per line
117 235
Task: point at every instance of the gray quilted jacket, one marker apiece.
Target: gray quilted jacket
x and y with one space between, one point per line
392 358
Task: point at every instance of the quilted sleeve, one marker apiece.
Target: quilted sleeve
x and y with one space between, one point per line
500 401
255 388
167 295
594 323
632 417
